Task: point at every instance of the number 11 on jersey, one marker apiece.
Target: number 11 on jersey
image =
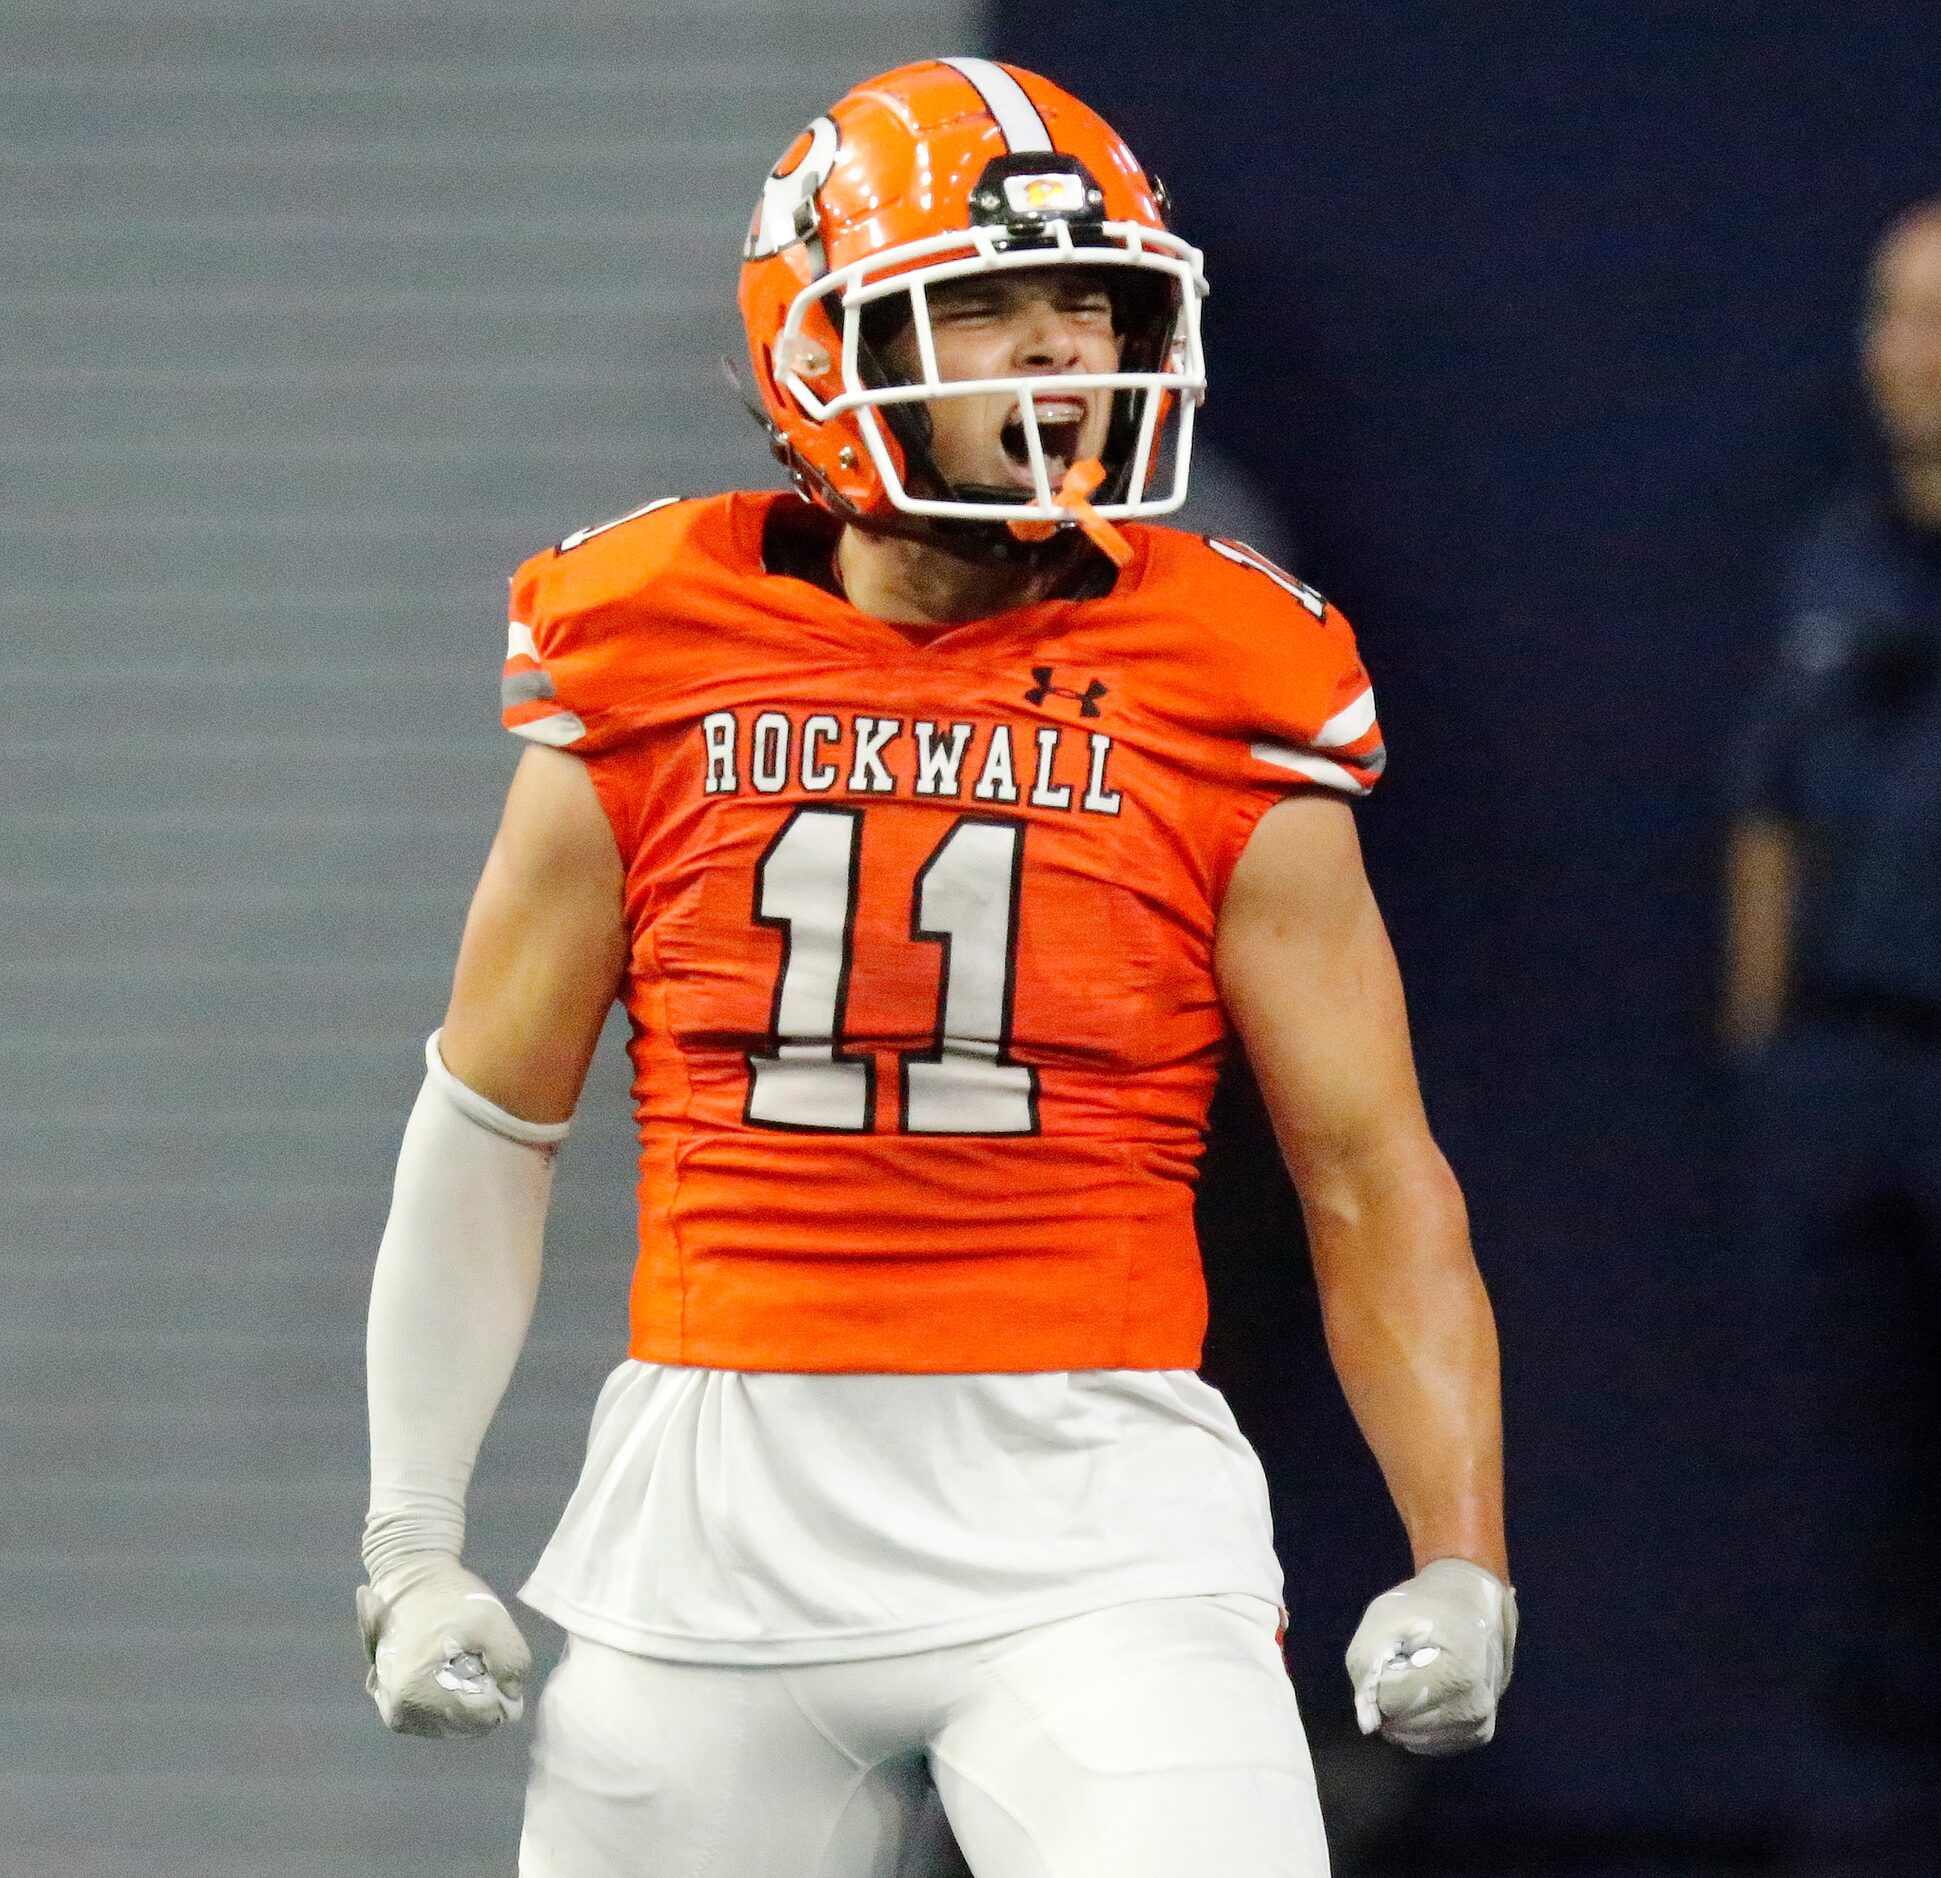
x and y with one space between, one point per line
965 899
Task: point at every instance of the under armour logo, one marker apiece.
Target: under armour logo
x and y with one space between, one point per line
1086 700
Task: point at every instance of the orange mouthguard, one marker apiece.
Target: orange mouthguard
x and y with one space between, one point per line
1080 480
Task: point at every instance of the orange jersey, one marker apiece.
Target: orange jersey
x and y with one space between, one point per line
921 970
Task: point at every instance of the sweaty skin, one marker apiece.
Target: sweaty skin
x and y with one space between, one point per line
1302 957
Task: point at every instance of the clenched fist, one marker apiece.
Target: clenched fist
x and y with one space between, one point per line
446 1657
1432 1657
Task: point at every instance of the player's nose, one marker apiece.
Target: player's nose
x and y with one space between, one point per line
1049 339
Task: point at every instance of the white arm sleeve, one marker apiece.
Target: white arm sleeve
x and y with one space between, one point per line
457 1274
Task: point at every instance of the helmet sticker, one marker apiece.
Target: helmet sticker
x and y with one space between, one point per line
1026 194
1046 195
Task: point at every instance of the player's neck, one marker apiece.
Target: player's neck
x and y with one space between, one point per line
1917 482
911 583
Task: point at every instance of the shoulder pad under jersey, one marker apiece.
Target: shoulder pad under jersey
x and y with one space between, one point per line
1283 678
568 624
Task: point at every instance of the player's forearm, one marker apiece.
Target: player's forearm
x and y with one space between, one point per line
451 1298
1413 1340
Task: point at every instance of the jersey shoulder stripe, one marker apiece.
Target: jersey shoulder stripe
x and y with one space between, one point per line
1284 673
569 608
581 536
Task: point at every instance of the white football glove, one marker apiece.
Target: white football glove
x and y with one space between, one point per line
446 1657
1432 1657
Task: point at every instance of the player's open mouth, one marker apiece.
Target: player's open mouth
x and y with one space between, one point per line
1061 422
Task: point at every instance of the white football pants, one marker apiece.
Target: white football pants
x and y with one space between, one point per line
1150 1740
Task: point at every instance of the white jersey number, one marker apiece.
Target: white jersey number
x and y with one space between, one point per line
1244 556
965 899
806 885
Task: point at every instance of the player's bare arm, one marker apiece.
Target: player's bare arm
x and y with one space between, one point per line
1309 978
544 945
459 1267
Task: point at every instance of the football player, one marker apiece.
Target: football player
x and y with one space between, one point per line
936 823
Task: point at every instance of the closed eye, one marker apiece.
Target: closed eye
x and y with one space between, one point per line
962 312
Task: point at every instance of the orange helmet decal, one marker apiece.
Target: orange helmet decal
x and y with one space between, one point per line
926 174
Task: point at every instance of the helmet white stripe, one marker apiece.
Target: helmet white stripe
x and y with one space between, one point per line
1006 99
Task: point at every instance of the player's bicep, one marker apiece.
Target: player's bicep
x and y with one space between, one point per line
544 945
1309 978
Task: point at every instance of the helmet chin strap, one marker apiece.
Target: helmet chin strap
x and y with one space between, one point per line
1080 481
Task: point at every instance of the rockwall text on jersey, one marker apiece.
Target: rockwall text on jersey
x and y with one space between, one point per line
921 966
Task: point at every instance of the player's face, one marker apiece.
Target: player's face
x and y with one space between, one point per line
1904 338
1043 322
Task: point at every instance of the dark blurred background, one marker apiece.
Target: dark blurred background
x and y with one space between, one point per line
1532 329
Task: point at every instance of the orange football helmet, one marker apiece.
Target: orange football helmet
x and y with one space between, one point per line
934 171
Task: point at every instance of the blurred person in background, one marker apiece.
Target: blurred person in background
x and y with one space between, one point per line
908 1475
1832 1001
